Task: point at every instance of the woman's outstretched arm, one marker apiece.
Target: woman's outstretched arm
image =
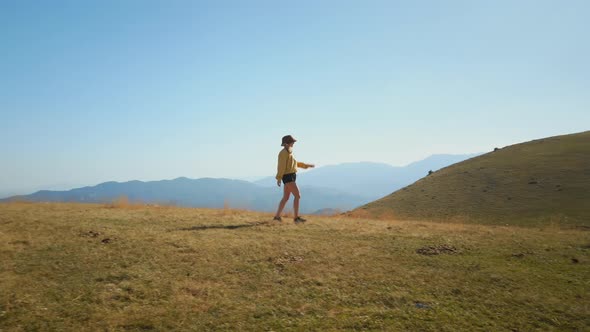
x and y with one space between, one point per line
304 165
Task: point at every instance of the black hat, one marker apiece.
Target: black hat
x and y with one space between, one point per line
288 139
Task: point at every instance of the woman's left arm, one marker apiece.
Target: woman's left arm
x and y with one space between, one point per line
304 165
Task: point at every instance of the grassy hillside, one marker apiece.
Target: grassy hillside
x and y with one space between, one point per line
82 267
542 181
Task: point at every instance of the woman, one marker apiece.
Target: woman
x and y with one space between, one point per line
286 172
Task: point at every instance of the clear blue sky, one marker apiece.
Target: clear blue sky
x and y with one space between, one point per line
92 91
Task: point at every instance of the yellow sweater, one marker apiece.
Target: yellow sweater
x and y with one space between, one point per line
288 164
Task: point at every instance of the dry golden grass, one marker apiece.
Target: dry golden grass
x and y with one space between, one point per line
123 202
85 267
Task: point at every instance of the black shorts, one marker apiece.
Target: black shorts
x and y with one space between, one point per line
291 177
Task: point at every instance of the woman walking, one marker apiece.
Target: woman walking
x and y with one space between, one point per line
286 172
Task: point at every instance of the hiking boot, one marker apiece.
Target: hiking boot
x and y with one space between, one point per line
299 219
277 219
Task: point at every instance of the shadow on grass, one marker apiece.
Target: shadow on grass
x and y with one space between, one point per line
205 227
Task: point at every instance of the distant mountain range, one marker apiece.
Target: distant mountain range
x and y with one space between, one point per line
371 180
205 192
324 190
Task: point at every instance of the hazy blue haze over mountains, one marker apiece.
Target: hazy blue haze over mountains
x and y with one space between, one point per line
341 187
205 192
371 180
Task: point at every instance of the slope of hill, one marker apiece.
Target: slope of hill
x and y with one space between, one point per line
545 180
370 180
89 267
205 192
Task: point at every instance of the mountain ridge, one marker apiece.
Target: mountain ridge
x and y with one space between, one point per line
339 187
202 192
371 180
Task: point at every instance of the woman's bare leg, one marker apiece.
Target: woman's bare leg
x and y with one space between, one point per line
286 194
295 190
